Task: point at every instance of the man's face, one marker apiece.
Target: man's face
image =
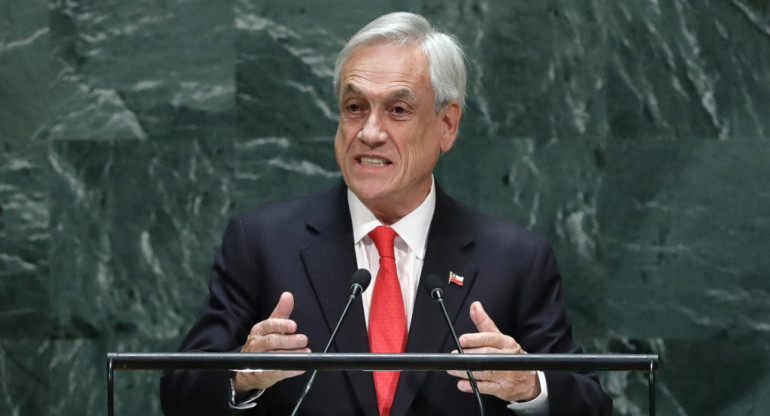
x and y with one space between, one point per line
389 137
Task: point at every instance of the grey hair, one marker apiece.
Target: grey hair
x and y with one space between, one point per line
446 60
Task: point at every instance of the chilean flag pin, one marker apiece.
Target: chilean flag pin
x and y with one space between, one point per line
455 278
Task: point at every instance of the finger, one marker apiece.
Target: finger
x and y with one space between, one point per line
273 326
458 373
480 318
284 307
485 387
486 340
465 386
484 350
262 379
482 375
275 342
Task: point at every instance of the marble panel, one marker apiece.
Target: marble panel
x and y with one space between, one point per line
24 376
78 369
24 239
536 69
630 389
275 169
134 227
285 62
286 58
684 225
710 378
24 59
682 69
136 392
77 377
551 189
694 378
139 70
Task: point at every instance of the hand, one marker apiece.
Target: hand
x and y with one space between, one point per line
507 385
274 334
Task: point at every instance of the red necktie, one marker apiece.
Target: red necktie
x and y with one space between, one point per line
387 319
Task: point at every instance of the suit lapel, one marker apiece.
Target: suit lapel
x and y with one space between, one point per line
330 261
447 250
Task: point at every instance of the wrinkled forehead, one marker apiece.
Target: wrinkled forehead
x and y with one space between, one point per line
398 70
373 43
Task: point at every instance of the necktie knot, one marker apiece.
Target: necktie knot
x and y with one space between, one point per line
383 238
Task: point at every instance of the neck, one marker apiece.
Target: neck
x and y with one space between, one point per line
386 219
390 212
390 209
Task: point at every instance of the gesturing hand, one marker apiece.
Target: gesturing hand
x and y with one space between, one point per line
507 385
274 334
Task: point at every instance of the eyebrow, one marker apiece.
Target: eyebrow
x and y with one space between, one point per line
399 94
403 93
351 88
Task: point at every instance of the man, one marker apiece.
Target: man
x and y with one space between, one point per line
281 276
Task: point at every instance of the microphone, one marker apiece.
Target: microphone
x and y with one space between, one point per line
432 284
359 283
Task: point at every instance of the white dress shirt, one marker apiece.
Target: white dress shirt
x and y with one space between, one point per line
408 247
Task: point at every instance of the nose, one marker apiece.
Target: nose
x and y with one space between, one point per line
372 133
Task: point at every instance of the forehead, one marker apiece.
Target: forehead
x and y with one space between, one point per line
387 68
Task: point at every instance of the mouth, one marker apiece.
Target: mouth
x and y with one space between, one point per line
373 161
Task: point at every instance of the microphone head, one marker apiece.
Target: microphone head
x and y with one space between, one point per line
433 284
362 278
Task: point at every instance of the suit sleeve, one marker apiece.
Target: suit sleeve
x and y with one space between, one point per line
225 319
545 328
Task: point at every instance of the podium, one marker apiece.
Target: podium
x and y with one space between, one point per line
370 362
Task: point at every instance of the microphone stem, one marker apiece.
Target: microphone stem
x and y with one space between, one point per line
342 317
328 345
471 378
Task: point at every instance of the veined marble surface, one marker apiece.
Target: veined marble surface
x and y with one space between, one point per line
633 134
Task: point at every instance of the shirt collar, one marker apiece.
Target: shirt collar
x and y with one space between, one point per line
413 228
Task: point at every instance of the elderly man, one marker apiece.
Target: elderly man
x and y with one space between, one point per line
281 275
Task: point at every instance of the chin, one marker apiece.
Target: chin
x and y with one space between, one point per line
368 191
367 194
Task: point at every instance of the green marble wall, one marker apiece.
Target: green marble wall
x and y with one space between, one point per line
633 134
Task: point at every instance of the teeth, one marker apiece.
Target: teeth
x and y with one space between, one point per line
373 161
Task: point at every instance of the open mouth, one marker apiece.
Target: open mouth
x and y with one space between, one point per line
373 161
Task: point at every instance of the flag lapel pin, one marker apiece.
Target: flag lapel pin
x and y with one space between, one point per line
455 278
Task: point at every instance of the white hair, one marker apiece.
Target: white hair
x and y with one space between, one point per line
446 61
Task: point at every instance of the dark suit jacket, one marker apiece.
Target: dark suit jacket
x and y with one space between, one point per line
305 246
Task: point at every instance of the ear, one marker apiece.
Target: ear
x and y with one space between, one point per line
449 118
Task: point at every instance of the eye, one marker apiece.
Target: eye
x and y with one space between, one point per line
354 108
399 110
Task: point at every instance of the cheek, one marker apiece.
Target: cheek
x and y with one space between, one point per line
422 155
339 146
346 132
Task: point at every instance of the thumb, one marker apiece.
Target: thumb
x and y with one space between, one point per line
480 318
284 307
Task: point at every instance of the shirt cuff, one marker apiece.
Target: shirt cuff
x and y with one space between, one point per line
536 406
246 402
